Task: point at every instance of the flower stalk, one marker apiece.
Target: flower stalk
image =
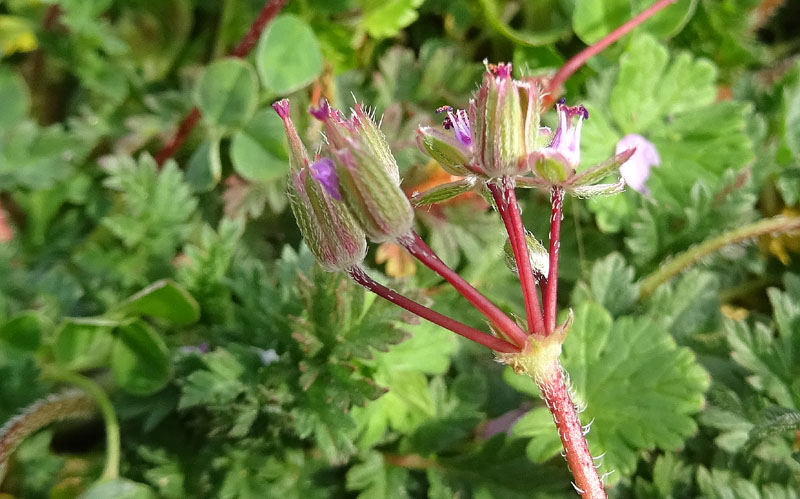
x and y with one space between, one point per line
551 291
422 252
506 200
360 276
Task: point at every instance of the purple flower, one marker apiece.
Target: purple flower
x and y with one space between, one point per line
457 121
324 171
567 137
636 170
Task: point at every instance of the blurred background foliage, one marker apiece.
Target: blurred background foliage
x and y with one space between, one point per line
237 369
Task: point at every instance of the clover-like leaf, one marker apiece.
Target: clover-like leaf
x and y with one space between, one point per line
288 56
639 388
140 359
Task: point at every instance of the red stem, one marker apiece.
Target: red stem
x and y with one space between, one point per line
421 251
470 333
551 291
243 48
506 200
555 393
181 134
554 86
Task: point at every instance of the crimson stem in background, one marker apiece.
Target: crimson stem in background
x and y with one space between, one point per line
245 45
359 276
421 251
506 200
553 90
551 291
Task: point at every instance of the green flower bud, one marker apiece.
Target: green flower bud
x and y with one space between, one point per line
328 228
373 196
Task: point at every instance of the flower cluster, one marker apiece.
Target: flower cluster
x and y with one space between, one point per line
500 136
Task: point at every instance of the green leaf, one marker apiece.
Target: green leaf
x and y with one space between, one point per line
612 284
15 98
639 388
724 484
774 421
258 151
140 359
594 19
83 343
163 299
687 306
385 19
227 93
373 478
23 332
791 112
119 488
199 174
497 468
672 105
772 358
288 55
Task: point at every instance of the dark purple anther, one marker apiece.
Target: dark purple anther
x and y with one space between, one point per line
324 171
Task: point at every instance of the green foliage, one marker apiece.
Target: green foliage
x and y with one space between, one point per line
237 369
226 93
634 367
282 67
768 354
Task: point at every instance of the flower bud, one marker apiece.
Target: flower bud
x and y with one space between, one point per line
359 134
329 230
499 128
367 173
373 196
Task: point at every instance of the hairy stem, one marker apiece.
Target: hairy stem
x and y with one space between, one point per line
682 261
551 291
245 45
551 383
553 90
422 252
506 200
71 404
361 277
91 388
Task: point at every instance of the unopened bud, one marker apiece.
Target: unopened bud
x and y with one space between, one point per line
499 128
328 228
358 134
373 196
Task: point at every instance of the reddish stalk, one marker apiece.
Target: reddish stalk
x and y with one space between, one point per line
245 45
506 200
587 482
361 277
554 85
551 291
422 252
